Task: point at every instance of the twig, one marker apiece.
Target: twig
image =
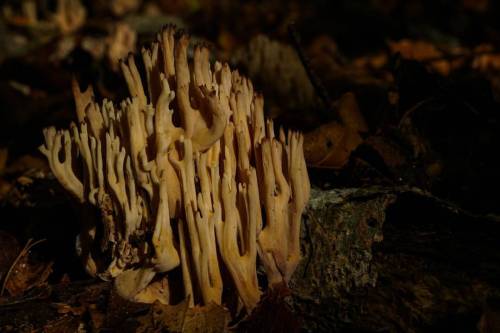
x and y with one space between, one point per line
414 108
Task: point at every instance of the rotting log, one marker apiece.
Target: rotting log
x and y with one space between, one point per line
395 260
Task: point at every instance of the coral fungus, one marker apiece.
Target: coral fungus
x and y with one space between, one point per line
186 175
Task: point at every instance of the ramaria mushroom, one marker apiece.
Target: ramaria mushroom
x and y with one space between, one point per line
198 226
188 196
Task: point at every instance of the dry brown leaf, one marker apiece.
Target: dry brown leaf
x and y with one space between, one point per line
424 51
330 145
24 273
486 62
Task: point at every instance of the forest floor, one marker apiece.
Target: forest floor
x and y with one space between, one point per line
399 102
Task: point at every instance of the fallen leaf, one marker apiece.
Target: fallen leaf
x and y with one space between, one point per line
486 60
427 52
24 273
330 145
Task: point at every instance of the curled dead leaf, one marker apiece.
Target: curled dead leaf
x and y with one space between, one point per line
24 273
486 59
424 51
330 145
